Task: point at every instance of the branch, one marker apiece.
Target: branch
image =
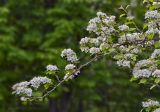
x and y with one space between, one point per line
62 81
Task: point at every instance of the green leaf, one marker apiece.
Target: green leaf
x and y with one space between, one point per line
145 26
157 80
157 44
122 15
143 81
133 79
150 36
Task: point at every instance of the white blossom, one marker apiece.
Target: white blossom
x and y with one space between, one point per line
157 110
37 81
133 37
51 67
84 40
24 99
22 88
156 73
84 49
70 67
99 14
123 27
123 63
152 14
95 41
94 50
70 55
148 67
135 51
156 53
150 103
92 26
21 84
142 73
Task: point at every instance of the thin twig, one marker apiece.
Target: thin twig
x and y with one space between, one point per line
62 81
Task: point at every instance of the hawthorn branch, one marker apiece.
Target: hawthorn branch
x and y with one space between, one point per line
72 74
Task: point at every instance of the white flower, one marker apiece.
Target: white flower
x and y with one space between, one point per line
24 99
99 14
70 55
156 53
152 14
94 41
84 40
135 51
70 67
94 50
143 63
142 73
156 3
133 37
148 67
51 67
37 81
104 46
157 110
84 49
92 26
123 63
123 27
100 38
21 84
156 73
150 103
22 90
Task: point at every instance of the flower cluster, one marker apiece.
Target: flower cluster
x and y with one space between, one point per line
123 28
130 38
152 14
89 44
51 67
144 68
22 88
157 110
150 103
70 55
102 24
156 53
25 88
37 81
70 67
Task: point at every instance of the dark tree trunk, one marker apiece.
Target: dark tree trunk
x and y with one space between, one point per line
53 105
65 102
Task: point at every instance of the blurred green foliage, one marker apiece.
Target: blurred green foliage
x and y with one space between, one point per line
32 35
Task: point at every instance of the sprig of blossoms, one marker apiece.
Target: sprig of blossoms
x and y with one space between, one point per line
157 110
102 24
152 14
123 27
22 88
144 68
25 88
37 81
70 55
51 67
150 103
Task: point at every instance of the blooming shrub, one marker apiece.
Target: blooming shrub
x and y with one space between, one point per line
123 41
